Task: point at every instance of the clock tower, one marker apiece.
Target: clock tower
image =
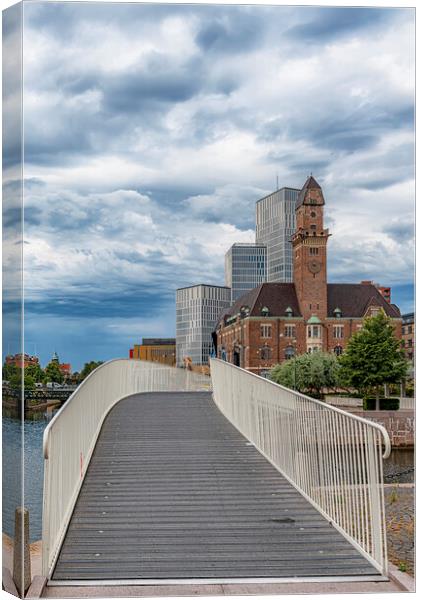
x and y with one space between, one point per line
309 244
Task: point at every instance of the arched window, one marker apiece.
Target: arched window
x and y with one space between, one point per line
265 353
289 352
338 350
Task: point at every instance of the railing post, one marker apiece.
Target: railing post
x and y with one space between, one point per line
21 553
376 517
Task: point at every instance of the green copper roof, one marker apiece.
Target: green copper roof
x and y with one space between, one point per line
313 320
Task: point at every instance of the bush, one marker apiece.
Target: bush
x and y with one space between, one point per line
385 404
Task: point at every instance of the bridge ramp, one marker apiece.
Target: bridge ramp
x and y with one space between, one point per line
175 492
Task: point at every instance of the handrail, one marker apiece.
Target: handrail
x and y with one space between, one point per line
332 457
70 437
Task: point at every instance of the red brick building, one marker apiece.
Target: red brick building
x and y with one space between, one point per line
275 321
20 360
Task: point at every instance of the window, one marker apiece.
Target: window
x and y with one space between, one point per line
409 328
289 352
312 226
314 251
338 350
265 331
289 331
265 353
313 331
409 343
338 331
312 214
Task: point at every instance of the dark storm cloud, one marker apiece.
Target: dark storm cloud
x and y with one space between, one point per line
328 24
159 82
235 32
129 302
401 230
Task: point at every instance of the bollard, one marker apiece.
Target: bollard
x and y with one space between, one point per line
21 554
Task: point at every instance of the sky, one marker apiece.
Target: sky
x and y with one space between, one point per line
150 131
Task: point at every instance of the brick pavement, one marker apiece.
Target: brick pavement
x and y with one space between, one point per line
400 525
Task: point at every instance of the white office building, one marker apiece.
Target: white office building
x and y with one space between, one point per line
275 224
245 268
197 310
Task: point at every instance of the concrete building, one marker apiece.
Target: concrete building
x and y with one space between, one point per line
197 310
275 225
276 321
408 336
245 268
160 350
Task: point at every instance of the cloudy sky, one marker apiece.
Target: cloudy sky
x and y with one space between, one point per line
151 131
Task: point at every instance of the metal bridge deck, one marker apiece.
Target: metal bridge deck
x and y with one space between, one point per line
174 491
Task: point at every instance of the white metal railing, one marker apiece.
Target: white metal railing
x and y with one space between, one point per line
332 457
71 435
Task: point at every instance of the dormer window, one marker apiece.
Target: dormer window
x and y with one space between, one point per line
288 311
265 311
337 313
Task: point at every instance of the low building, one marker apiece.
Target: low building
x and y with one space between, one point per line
160 350
408 336
276 321
245 268
197 310
22 360
65 368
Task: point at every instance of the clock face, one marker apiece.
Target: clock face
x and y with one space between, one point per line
314 266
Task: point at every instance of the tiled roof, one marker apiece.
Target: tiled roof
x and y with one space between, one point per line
310 184
354 299
277 297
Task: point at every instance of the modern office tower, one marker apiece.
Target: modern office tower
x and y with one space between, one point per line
197 310
275 225
245 268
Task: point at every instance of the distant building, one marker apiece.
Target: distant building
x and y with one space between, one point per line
197 310
408 336
160 350
275 225
277 321
20 360
245 268
65 368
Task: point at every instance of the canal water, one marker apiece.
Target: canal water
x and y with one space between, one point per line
398 468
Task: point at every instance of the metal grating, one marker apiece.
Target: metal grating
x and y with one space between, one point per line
174 491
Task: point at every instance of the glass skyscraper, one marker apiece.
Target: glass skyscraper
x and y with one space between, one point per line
197 310
275 224
245 268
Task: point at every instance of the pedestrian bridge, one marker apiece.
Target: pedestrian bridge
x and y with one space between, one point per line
151 476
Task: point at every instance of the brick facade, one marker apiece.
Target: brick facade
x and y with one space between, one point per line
278 320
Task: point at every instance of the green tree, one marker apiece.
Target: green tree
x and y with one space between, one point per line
88 368
53 373
10 371
16 382
309 373
374 357
35 372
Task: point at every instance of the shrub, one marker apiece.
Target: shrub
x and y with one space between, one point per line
385 403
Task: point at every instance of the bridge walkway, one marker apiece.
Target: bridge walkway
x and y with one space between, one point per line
175 492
